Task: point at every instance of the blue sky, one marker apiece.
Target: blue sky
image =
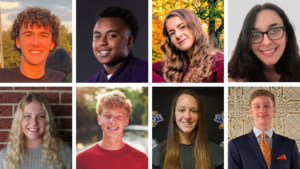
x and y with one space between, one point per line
10 9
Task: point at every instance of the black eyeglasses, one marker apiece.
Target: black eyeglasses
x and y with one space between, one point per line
273 34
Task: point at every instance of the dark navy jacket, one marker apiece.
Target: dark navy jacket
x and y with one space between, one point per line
132 69
244 153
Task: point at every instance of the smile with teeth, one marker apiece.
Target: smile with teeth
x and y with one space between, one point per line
187 123
270 51
35 51
33 129
104 52
113 128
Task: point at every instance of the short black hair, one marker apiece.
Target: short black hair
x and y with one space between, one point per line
124 14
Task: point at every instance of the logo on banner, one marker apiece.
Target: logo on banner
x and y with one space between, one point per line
154 143
219 118
156 118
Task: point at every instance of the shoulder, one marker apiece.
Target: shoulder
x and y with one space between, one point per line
87 152
6 74
157 72
239 139
284 139
66 148
57 76
95 78
3 153
139 62
158 154
216 154
136 153
218 67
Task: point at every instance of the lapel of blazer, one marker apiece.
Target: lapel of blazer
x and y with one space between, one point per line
275 148
252 141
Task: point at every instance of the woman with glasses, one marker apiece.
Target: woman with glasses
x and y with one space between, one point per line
266 50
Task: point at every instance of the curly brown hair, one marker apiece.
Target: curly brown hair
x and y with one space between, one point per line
175 62
38 16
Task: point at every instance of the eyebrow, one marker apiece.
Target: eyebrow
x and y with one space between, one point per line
270 26
32 32
31 113
176 26
109 31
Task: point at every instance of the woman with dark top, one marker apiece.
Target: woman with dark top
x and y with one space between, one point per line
266 50
187 54
186 146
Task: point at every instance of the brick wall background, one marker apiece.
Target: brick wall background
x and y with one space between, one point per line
59 98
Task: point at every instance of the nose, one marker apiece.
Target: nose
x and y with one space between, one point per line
178 34
187 115
34 120
262 109
103 41
35 41
266 41
112 119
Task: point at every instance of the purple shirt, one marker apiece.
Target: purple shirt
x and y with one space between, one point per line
132 69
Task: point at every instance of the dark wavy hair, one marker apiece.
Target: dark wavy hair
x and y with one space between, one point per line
38 16
245 65
175 61
201 150
59 60
123 13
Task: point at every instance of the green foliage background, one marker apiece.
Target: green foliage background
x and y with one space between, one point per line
86 100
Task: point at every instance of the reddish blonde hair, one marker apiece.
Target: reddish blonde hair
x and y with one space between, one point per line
111 100
261 92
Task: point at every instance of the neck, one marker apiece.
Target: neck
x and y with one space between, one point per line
269 68
33 143
185 138
110 69
263 128
32 71
112 143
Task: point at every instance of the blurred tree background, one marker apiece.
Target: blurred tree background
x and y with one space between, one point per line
210 13
13 58
87 97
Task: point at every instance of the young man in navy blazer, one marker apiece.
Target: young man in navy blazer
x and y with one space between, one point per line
258 150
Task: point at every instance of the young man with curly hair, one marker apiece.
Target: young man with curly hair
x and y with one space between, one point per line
115 32
35 33
113 109
262 148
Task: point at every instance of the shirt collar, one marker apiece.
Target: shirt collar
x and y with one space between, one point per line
257 132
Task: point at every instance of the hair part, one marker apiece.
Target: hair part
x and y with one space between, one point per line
175 62
201 150
38 16
15 148
245 65
125 14
261 92
112 100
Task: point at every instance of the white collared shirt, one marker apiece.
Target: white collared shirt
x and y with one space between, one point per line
269 137
108 76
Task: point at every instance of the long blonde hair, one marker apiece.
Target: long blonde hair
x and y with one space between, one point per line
201 150
15 148
175 62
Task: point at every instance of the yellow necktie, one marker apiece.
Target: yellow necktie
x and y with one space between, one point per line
265 149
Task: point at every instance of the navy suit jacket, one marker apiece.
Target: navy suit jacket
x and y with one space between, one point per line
244 153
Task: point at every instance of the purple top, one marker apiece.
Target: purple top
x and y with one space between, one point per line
132 69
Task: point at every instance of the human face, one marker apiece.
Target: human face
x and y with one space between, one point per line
33 123
262 110
112 40
186 113
268 51
35 44
113 121
180 35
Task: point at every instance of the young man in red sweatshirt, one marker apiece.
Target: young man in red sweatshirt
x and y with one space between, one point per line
113 109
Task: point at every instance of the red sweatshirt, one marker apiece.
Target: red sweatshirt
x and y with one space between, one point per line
96 157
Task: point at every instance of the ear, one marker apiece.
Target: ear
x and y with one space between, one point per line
18 43
99 122
130 41
250 111
52 45
274 109
127 121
